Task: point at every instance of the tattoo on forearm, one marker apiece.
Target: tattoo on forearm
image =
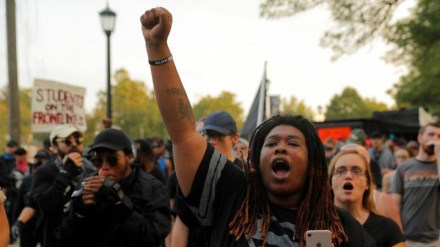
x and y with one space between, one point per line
176 91
185 111
151 43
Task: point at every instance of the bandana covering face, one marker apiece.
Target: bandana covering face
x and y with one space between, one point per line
22 166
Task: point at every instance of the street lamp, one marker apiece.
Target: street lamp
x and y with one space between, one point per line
108 19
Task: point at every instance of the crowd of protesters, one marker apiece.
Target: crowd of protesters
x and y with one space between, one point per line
207 186
60 195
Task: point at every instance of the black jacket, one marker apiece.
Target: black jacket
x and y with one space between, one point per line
144 221
51 191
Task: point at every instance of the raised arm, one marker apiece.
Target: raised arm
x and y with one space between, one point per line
174 105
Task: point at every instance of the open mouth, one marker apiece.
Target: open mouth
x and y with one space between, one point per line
280 167
348 186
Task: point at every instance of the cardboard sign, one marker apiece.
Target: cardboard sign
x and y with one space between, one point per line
55 103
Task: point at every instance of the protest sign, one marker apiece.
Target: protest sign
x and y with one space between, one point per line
55 103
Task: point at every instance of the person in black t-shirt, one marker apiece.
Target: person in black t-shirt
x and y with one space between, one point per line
220 130
280 194
352 187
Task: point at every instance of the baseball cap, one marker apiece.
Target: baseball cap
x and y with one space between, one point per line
220 121
357 136
62 131
113 139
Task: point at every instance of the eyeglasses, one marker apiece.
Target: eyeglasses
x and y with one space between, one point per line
111 160
68 141
342 171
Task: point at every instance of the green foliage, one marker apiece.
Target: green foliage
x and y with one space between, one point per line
224 102
373 105
418 41
25 115
358 22
294 107
134 109
349 104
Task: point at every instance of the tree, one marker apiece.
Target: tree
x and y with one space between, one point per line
347 105
373 105
3 117
358 22
224 102
294 107
25 114
134 108
418 41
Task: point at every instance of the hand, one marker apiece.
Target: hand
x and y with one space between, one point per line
91 186
76 157
156 26
109 194
16 229
72 164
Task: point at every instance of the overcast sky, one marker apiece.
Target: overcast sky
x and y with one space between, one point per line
217 45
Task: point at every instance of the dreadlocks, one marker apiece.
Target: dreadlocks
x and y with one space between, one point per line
317 210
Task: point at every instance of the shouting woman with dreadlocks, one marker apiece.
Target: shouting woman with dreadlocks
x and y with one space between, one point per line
283 190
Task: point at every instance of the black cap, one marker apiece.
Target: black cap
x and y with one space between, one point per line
112 139
12 143
20 151
221 122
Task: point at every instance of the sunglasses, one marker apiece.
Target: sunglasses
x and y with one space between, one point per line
112 161
68 141
209 134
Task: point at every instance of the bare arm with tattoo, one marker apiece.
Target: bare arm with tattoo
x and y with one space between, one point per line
173 102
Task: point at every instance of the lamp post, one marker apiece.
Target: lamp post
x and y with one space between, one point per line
108 19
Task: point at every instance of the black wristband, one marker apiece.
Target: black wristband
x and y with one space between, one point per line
161 61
